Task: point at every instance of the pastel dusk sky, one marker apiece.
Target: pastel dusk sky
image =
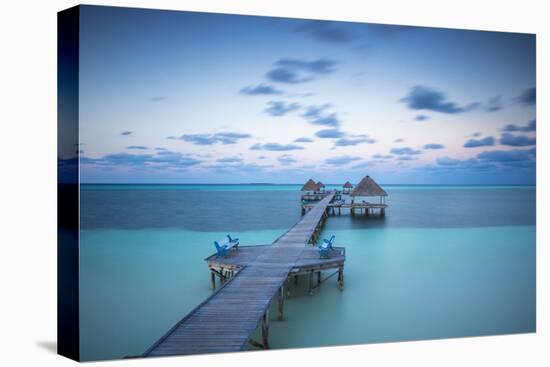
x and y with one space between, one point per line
185 97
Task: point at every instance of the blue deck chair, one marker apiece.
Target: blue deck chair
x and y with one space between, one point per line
222 250
233 242
329 242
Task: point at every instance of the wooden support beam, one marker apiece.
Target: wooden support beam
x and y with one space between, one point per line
318 278
281 302
213 279
310 281
265 329
341 277
256 344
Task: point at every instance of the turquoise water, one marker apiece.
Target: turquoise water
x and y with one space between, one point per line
463 267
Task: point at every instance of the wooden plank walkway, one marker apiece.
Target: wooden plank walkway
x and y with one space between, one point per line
226 320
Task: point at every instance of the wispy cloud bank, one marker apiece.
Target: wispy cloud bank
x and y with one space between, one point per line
528 97
329 134
425 98
341 160
295 71
279 108
327 31
286 160
209 139
259 90
405 151
354 140
137 147
517 140
276 147
475 143
433 146
303 139
495 104
531 126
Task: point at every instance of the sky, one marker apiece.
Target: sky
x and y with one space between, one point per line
186 97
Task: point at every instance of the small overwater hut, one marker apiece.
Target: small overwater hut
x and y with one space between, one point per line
346 188
368 188
310 191
321 186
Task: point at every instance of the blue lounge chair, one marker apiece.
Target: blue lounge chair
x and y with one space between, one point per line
233 242
326 247
222 250
329 242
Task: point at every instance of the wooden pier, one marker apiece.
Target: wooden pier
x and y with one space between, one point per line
251 278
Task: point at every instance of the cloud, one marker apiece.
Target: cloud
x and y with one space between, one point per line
294 71
494 104
433 146
229 160
528 97
406 158
344 142
446 161
316 115
161 159
137 147
405 151
425 98
381 156
362 165
275 147
475 143
398 140
341 160
259 90
329 134
476 134
303 139
326 31
517 140
278 108
286 160
209 139
531 126
505 156
126 133
421 118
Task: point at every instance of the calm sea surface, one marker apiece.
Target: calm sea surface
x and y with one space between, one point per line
446 261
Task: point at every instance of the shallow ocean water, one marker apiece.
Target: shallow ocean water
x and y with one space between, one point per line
445 262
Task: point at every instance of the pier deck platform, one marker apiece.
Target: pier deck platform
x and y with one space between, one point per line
226 320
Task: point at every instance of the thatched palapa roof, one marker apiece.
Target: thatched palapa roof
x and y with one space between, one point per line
320 184
310 185
368 187
347 185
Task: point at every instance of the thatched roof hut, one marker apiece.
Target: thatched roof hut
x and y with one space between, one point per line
368 187
310 185
347 185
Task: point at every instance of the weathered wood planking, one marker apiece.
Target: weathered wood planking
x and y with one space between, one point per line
225 321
